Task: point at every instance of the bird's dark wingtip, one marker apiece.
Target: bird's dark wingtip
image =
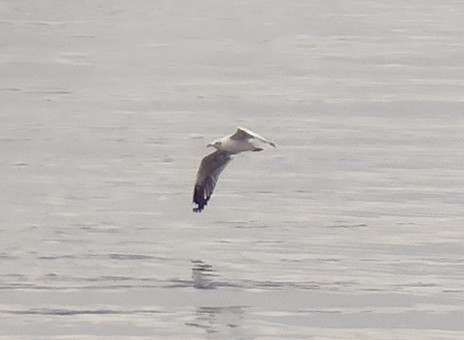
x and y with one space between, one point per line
199 208
199 199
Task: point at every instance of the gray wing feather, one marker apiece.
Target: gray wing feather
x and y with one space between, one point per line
210 168
242 134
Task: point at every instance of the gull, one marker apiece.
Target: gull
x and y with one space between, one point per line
212 165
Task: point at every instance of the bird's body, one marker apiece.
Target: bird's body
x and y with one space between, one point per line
213 164
233 147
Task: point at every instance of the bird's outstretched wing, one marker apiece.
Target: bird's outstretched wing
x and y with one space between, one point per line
243 133
208 173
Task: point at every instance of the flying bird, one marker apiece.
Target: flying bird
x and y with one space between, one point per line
213 164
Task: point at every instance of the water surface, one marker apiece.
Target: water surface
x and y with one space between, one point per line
350 229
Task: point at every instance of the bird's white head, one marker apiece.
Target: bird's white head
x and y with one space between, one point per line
215 144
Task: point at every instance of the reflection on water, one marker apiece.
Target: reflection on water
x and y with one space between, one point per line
203 275
221 322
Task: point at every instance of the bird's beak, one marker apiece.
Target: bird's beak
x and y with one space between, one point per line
209 145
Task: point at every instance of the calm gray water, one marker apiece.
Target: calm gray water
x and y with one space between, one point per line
351 229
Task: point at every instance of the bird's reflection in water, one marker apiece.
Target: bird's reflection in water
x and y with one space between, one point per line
218 321
203 275
221 322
